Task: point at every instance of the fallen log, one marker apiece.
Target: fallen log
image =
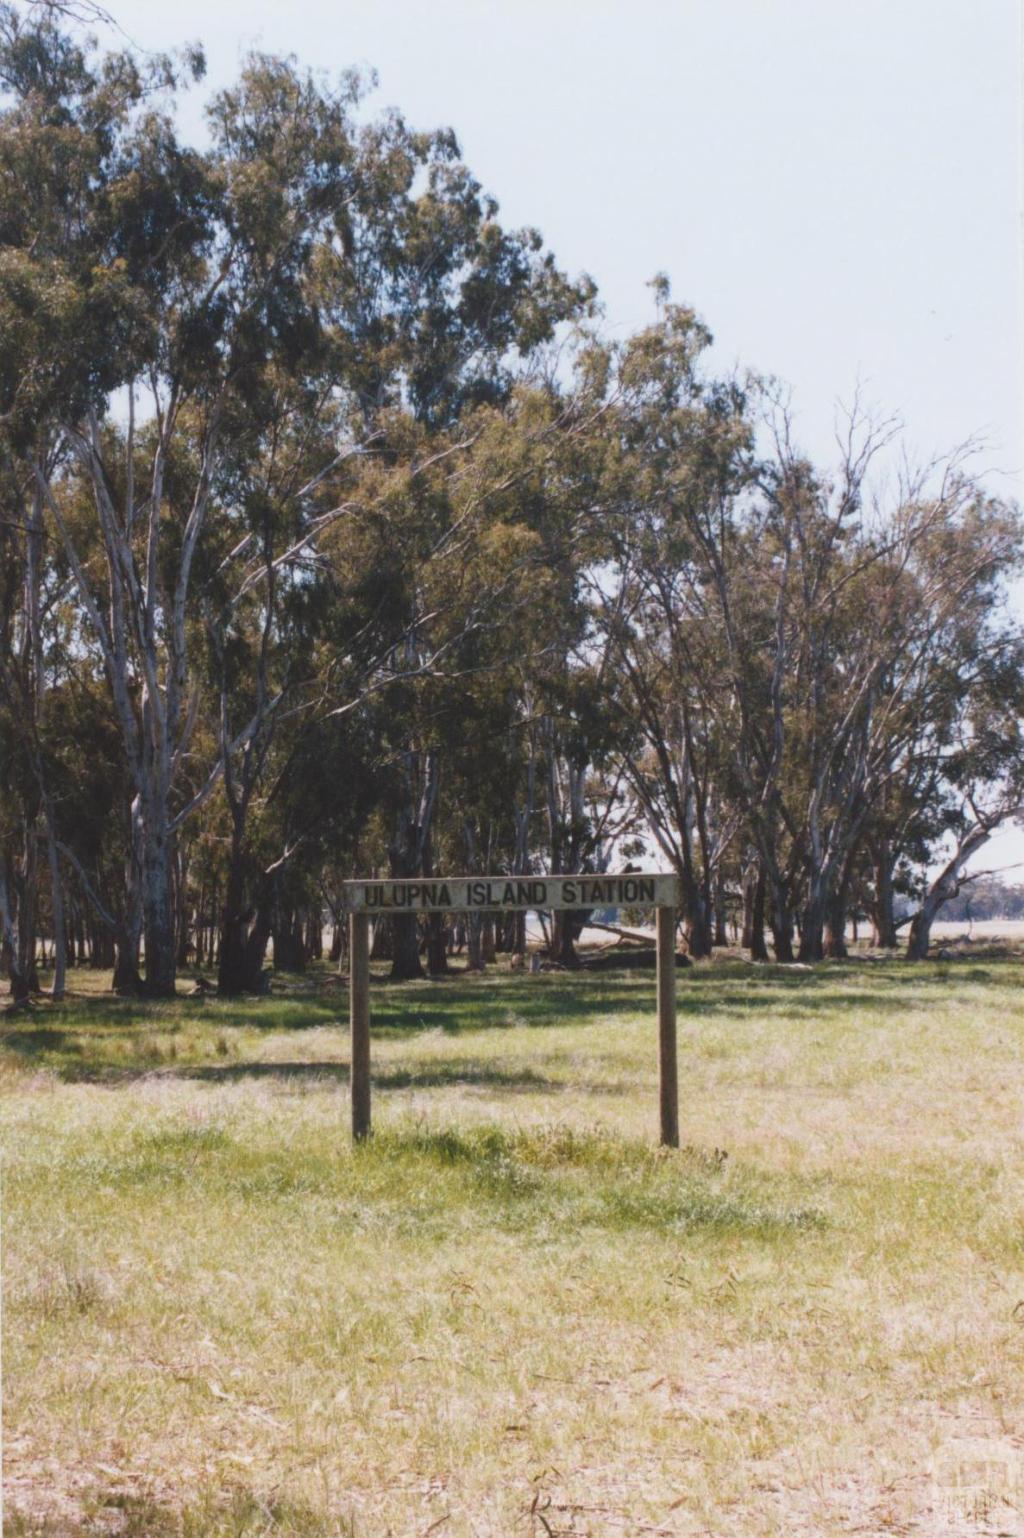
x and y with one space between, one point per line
636 936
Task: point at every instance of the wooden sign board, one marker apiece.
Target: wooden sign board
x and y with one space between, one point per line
494 893
487 894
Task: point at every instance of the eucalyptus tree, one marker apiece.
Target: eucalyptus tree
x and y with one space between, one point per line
459 307
982 757
917 636
19 793
422 303
64 314
240 291
106 223
869 628
674 533
786 644
464 573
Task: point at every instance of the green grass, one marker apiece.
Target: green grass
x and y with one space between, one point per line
510 1312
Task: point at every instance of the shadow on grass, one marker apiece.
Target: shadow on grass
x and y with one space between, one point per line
497 1004
100 1037
774 1004
437 1076
480 1003
241 1515
33 1043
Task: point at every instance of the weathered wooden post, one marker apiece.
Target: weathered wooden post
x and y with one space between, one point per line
667 1063
359 1006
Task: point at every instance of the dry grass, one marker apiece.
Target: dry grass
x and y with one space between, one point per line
510 1314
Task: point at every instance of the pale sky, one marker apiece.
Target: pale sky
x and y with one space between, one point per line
836 188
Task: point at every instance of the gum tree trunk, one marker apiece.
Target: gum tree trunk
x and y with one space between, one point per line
883 915
437 945
721 936
758 947
946 885
781 924
835 923
812 922
60 953
409 856
9 942
161 956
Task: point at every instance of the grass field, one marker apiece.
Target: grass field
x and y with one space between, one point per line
510 1313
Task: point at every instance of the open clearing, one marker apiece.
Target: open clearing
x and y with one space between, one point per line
510 1314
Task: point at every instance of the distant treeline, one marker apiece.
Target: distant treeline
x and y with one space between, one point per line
986 898
339 538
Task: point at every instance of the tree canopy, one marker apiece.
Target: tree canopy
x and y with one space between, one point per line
336 536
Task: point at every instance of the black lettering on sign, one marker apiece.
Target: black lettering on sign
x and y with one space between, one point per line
512 892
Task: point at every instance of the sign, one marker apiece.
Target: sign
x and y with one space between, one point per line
486 894
491 893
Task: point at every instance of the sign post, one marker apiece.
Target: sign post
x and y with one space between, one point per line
502 893
359 1016
668 1075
